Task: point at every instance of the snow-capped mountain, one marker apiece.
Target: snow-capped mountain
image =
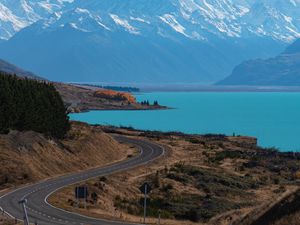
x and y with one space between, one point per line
196 19
17 14
176 40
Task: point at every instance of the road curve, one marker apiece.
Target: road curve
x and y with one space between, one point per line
43 213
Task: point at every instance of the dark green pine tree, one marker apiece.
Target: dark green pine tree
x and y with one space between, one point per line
31 105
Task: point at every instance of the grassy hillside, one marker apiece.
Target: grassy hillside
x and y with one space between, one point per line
30 156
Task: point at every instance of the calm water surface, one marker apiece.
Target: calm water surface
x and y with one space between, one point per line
272 117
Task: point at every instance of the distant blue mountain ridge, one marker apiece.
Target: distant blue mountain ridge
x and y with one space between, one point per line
11 69
282 70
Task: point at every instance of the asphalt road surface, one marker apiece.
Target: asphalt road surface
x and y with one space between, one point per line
43 213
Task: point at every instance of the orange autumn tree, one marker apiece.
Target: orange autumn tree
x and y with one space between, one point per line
115 95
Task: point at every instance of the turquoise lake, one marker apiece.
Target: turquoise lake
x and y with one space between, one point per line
274 118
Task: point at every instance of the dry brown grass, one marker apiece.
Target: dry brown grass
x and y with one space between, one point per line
5 220
293 219
29 156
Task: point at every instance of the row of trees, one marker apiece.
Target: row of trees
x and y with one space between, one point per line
31 105
148 103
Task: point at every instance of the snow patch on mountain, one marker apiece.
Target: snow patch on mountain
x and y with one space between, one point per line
124 23
293 2
18 14
46 6
139 19
170 20
194 19
7 16
74 25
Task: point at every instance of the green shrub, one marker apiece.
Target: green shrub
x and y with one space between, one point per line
220 156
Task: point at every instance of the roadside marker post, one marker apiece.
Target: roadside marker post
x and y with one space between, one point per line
145 203
23 203
158 222
77 197
145 189
85 200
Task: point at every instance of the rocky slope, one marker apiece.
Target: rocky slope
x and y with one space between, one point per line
282 70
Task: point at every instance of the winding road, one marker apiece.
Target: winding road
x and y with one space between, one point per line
42 212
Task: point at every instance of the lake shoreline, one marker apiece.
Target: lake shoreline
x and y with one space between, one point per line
198 87
271 117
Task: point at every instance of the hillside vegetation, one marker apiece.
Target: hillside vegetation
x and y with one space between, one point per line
27 104
30 156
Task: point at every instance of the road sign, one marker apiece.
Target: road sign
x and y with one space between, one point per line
81 192
146 188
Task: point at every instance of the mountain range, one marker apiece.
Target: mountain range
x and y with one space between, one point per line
18 14
282 70
143 40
